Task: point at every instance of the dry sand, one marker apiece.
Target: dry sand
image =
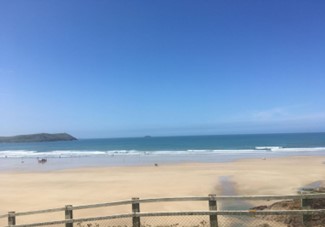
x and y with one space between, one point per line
23 191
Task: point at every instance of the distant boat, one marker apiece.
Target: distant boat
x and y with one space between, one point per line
147 136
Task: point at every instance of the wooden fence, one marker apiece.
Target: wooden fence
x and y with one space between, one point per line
212 210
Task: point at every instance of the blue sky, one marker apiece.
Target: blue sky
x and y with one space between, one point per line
133 68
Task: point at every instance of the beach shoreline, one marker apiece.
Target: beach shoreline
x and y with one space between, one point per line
56 163
30 190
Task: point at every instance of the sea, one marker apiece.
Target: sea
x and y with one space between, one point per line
157 151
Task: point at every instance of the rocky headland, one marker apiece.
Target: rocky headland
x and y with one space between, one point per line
41 137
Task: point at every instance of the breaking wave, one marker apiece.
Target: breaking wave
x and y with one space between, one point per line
78 153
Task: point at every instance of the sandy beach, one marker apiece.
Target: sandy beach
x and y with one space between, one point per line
23 191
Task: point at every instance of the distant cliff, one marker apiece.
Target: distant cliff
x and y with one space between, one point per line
42 137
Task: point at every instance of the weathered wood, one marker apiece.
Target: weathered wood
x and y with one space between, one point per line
40 211
135 210
11 218
150 200
306 218
213 207
175 199
274 197
201 198
244 197
117 203
136 207
179 199
180 213
68 215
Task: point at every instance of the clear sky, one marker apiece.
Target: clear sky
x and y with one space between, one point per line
118 68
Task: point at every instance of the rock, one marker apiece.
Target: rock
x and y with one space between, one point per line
263 225
42 137
294 220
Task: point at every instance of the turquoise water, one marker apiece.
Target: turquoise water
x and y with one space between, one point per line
161 150
172 145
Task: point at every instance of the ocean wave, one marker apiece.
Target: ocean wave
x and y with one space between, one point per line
300 149
268 148
70 154
65 153
81 153
287 149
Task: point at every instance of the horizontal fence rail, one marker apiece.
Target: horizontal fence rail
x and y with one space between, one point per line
180 199
213 212
40 211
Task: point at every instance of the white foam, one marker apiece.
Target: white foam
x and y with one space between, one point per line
78 153
17 153
268 148
301 149
61 154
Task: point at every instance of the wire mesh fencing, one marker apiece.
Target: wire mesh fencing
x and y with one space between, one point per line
197 219
193 219
175 221
247 221
119 222
236 211
184 221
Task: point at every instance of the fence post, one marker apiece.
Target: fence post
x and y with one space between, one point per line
213 207
306 205
135 209
11 218
68 215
